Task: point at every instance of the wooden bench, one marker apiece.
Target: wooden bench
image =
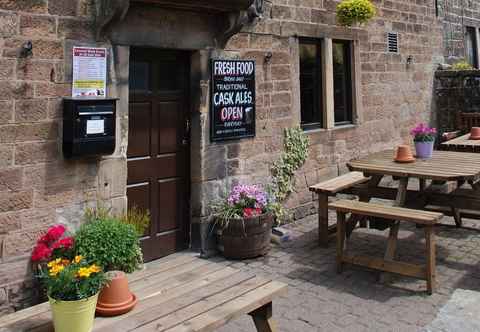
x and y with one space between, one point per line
331 188
178 293
425 218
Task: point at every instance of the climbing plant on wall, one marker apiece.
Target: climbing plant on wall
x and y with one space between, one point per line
283 170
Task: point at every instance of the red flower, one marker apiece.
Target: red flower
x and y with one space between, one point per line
249 212
56 232
65 243
41 252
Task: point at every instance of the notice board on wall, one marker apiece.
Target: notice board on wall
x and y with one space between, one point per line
232 110
89 72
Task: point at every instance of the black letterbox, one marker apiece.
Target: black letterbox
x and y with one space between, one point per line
88 126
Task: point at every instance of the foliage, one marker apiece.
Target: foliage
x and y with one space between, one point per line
108 242
423 133
72 280
53 245
138 218
243 202
355 11
293 157
462 65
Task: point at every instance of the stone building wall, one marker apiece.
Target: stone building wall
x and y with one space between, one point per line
455 16
392 95
38 187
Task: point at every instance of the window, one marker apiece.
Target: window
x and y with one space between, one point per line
471 47
311 85
326 100
342 82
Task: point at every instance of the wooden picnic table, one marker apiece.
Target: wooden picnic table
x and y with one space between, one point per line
462 143
443 166
180 292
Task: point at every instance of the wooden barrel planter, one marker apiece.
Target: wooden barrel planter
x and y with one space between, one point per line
247 238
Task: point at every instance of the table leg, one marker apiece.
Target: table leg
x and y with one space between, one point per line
393 235
430 248
262 317
323 220
340 239
353 220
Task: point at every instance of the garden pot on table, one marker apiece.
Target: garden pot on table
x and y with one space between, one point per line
115 298
73 316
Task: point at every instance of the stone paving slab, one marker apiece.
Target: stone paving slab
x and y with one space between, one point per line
319 299
461 313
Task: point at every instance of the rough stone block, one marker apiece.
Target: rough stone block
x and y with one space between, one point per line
43 90
35 70
36 132
32 153
13 201
35 6
34 26
76 29
8 24
280 72
6 111
6 155
11 179
31 110
7 68
16 90
112 178
62 7
42 48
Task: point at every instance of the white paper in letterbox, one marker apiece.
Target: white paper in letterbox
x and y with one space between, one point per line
95 127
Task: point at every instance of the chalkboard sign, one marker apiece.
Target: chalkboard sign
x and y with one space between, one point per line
232 110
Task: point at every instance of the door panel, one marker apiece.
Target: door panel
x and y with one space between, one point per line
170 124
158 150
139 130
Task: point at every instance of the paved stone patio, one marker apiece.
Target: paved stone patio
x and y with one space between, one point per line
321 300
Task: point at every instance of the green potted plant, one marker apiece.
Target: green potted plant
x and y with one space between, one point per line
244 222
114 245
72 283
353 12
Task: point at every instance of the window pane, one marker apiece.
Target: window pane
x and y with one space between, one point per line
342 84
310 85
139 76
471 47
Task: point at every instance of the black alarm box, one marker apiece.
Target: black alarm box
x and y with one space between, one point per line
88 126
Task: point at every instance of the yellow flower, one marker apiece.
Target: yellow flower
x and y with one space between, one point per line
56 269
95 268
54 262
65 262
84 272
78 259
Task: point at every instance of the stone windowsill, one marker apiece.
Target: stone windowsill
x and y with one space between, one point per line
321 130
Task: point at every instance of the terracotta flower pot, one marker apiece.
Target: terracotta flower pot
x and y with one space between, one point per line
116 298
475 133
404 154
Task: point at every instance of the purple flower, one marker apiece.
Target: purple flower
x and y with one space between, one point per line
251 196
422 133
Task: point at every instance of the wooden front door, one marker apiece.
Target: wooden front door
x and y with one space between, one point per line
158 147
